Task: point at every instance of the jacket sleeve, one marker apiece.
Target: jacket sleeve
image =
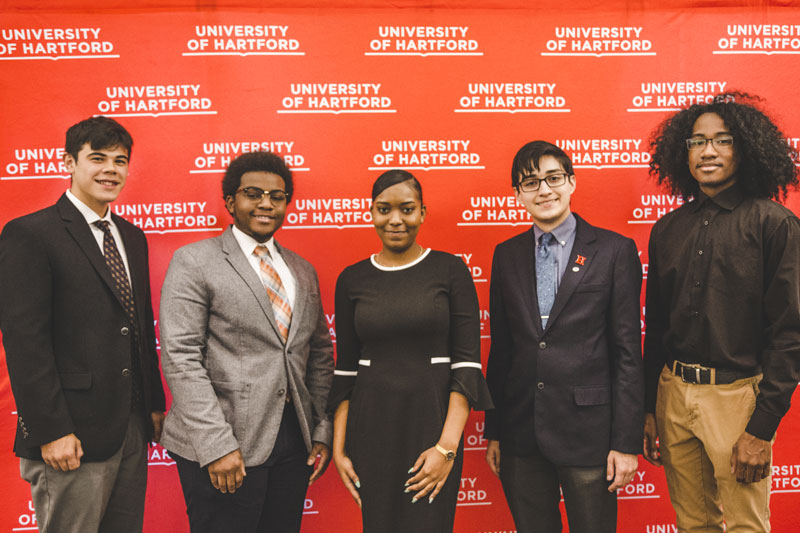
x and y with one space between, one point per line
625 346
184 314
499 363
319 374
26 320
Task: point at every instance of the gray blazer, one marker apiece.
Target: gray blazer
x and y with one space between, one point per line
224 361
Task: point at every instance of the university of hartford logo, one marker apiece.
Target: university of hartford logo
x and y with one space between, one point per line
242 40
335 98
598 41
154 101
19 44
423 41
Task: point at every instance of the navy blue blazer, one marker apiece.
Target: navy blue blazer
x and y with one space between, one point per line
575 389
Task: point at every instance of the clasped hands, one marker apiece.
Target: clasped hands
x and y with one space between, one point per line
430 472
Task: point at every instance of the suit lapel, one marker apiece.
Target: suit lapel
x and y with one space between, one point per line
82 234
585 247
524 262
299 307
241 265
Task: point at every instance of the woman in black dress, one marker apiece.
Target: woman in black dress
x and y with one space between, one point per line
407 372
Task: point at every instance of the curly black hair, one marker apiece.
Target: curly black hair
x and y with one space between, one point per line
256 162
766 161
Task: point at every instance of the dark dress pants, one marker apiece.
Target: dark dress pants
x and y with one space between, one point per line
270 499
531 486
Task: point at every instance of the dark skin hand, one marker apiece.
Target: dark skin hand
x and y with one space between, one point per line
227 473
324 453
750 459
650 451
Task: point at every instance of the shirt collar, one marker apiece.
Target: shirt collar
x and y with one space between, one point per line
728 199
562 232
248 244
87 212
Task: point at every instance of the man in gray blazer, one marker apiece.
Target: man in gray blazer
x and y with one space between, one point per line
248 358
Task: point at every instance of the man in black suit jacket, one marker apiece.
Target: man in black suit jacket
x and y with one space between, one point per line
78 334
565 366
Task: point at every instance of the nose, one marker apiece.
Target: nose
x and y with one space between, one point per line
110 165
265 203
709 150
394 217
544 188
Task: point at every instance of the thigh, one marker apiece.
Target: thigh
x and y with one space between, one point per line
591 508
70 501
125 509
726 410
690 473
285 495
211 511
531 487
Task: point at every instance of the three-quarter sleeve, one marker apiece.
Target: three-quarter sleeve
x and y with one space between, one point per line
348 346
466 374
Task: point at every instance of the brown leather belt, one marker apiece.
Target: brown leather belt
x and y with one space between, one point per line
703 375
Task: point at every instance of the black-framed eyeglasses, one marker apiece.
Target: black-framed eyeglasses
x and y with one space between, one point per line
256 194
531 184
720 143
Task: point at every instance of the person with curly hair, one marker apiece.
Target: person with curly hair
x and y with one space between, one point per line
722 348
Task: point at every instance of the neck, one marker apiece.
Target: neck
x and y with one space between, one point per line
548 227
390 258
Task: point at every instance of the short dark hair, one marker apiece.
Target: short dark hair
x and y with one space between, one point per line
528 157
393 177
99 132
256 162
766 161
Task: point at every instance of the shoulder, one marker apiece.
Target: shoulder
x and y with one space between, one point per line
360 269
32 221
199 250
771 210
605 237
516 242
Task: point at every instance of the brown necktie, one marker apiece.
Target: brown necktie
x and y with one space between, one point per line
123 289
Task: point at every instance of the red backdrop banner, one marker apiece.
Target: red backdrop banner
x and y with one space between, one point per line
343 94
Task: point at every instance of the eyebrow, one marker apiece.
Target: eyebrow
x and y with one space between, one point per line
724 132
90 154
547 173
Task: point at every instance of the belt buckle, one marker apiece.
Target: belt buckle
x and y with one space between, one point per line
696 374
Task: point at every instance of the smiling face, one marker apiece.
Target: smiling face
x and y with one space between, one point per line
397 214
98 176
548 206
714 167
258 218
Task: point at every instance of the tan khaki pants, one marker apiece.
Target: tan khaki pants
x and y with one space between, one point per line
697 428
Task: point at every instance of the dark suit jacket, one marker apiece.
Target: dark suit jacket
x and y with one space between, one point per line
66 335
575 390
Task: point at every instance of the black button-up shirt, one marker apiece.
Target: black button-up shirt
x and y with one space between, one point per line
723 290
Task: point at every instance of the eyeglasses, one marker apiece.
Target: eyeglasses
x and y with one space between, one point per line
530 184
256 194
720 143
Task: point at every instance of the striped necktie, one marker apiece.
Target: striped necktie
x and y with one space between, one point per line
277 294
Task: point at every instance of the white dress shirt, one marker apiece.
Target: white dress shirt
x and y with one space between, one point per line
92 217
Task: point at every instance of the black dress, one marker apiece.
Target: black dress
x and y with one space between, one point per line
406 337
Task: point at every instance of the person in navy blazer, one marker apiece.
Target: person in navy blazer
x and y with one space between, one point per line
567 384
84 374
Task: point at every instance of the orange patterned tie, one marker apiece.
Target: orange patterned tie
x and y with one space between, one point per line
123 289
277 294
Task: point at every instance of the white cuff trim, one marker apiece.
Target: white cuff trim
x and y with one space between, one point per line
468 365
437 360
345 372
365 362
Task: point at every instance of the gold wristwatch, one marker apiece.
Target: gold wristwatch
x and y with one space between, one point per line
449 455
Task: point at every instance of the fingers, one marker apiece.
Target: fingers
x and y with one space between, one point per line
324 454
349 477
493 457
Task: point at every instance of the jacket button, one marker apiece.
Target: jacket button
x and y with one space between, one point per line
125 372
124 330
540 385
542 345
281 392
